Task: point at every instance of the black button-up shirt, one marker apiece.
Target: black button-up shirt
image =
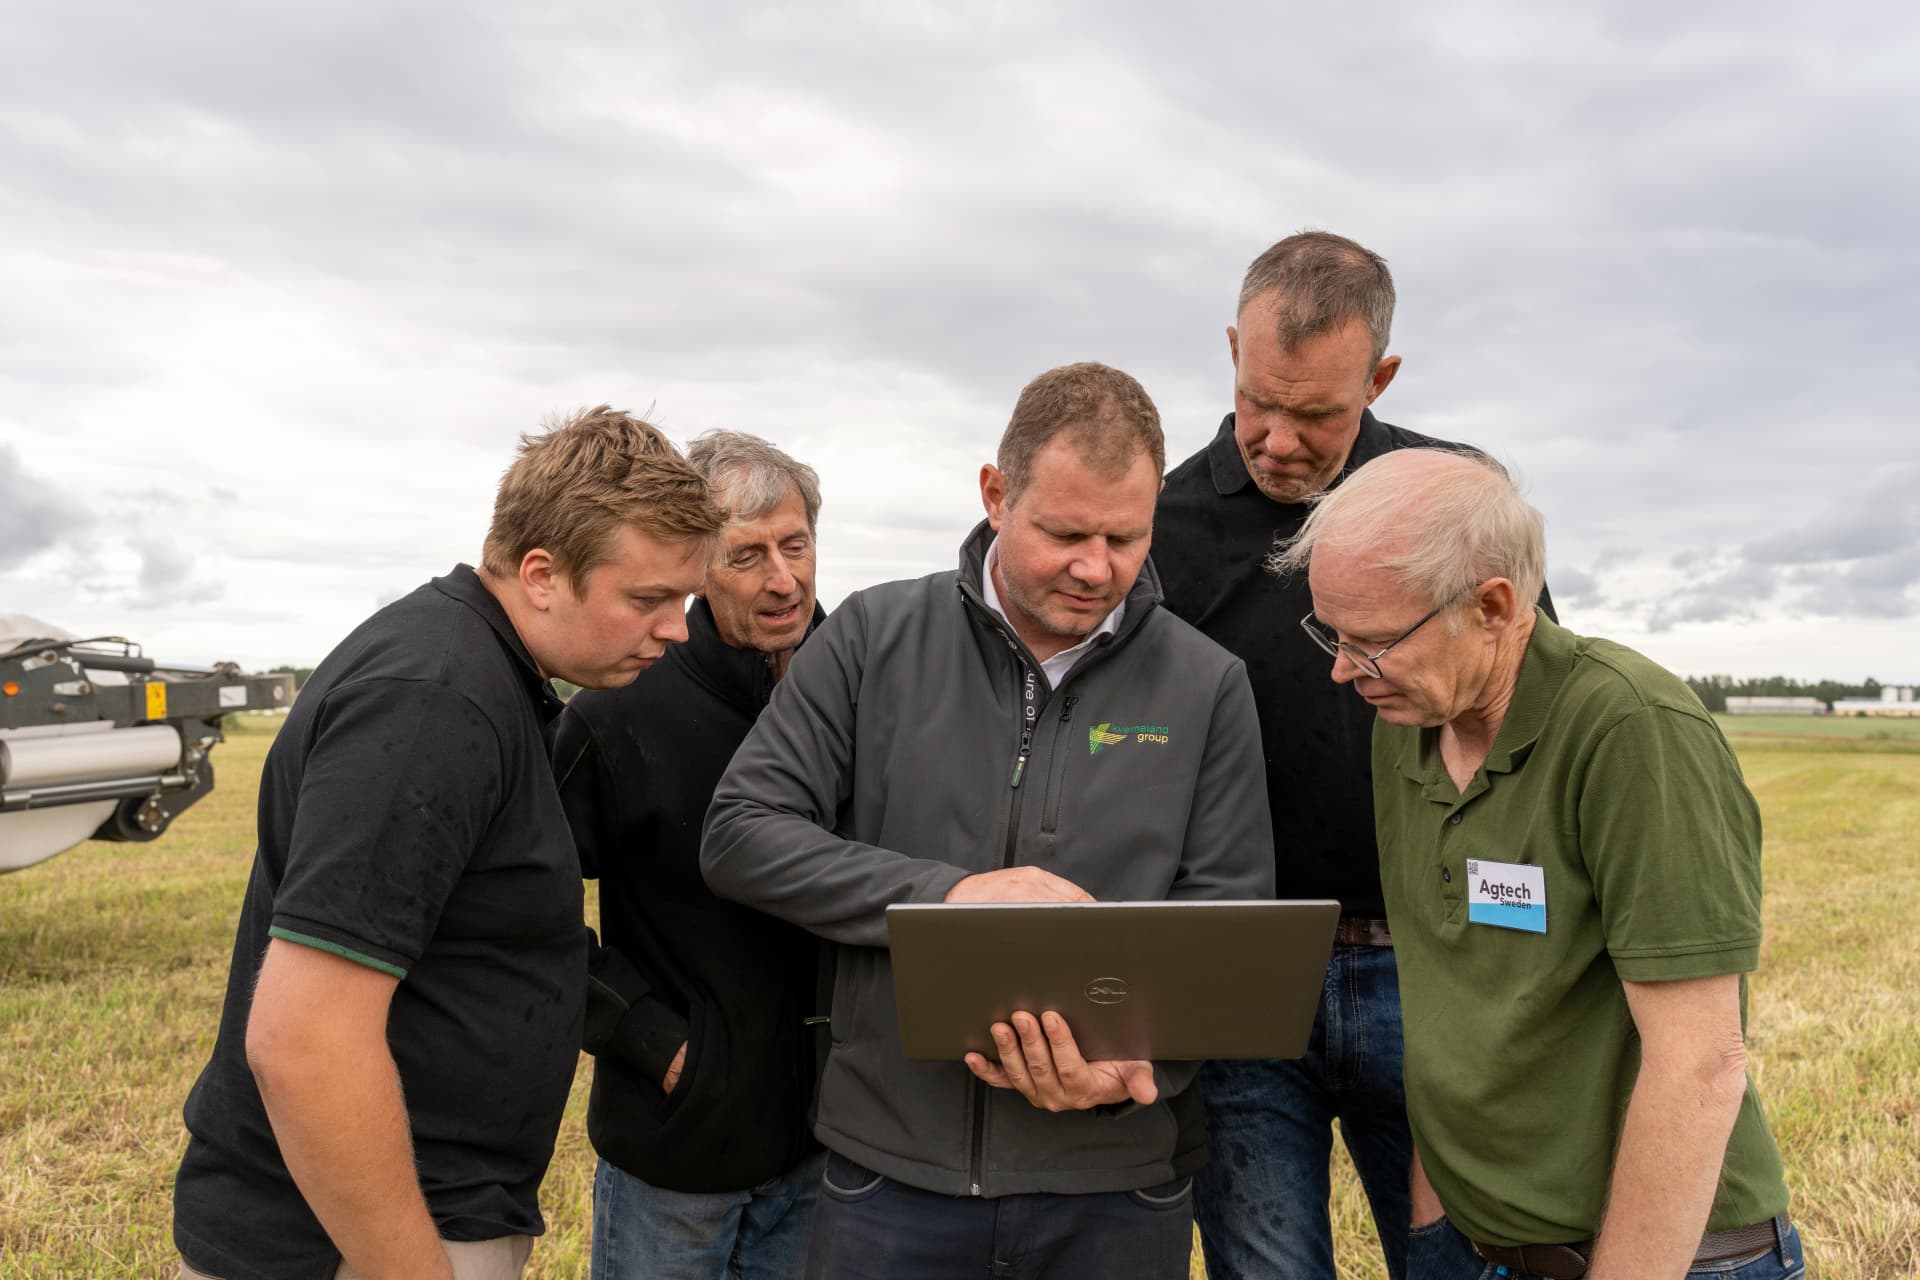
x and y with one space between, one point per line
409 822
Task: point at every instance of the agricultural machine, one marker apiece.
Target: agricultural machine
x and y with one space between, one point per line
98 742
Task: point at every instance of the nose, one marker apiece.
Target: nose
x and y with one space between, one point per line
1345 669
1281 439
780 579
1093 565
673 627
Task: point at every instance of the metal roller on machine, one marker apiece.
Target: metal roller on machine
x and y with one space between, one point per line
99 742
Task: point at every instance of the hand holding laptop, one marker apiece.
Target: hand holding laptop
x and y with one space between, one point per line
1038 1057
1017 884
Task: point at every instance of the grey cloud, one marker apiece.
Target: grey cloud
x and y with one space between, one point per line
1731 592
1876 516
1573 586
1607 557
1856 558
166 577
1879 587
1653 253
34 515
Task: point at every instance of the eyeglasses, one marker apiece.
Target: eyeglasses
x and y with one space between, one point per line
1369 662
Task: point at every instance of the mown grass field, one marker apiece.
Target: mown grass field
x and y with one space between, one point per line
113 957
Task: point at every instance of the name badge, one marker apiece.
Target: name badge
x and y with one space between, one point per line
1508 895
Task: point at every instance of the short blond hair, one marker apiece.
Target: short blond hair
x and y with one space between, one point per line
576 483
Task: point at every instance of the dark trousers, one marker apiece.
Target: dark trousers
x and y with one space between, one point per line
1262 1199
867 1227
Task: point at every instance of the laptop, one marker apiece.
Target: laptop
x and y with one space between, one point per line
1166 980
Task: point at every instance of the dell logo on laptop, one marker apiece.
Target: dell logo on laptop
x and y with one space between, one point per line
1107 990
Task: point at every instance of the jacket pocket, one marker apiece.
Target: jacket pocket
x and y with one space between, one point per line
699 1044
1168 1195
846 1181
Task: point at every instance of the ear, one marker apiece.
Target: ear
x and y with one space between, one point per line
1382 375
1233 345
1497 605
540 578
993 495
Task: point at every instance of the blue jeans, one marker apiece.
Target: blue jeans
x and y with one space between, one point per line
1262 1199
642 1231
1437 1251
873 1228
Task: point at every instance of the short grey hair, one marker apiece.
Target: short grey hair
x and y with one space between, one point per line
1318 281
750 477
1443 521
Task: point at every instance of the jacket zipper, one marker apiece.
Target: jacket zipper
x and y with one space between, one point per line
976 1164
1030 703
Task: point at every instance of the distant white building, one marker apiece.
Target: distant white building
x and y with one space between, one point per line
1775 706
1894 700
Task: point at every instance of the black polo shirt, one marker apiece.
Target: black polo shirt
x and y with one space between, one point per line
1211 536
409 822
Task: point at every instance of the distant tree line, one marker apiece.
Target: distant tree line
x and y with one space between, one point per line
1715 690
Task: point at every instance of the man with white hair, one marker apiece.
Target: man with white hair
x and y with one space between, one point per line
1571 866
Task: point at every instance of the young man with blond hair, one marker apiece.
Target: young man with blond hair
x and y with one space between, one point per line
403 1011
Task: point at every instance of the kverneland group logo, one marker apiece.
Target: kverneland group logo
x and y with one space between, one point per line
1102 736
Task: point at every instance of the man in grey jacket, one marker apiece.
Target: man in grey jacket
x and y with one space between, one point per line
954 739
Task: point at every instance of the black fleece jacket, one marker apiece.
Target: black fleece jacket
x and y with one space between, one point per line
637 767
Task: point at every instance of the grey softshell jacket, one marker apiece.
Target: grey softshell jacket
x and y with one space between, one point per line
883 771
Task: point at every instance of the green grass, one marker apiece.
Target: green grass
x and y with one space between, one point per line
113 959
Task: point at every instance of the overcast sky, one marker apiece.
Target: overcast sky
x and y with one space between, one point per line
280 285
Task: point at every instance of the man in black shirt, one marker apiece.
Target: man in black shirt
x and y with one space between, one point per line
404 1006
1309 354
701 1014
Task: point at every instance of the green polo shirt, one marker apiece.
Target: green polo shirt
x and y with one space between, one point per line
1520 1050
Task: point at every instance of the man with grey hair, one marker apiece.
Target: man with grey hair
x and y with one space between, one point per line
1309 349
1571 864
701 1012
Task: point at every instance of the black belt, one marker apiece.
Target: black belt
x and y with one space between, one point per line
1570 1261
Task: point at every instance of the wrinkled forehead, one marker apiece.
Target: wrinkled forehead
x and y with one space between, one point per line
1359 577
